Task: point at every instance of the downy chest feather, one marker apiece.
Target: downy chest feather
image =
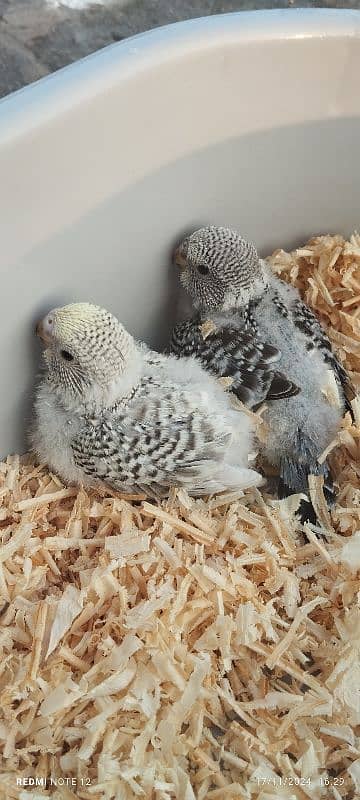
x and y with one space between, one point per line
55 429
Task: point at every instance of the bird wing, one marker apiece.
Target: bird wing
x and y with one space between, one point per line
309 325
235 353
154 440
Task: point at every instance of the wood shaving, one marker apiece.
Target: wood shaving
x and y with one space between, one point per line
331 391
190 649
226 382
207 328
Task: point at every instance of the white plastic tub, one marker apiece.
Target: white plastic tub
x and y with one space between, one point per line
249 119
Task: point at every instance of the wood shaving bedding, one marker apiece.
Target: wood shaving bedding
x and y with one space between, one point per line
189 649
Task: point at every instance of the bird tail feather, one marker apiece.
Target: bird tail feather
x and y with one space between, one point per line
294 474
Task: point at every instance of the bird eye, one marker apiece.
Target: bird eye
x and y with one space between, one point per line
66 355
203 269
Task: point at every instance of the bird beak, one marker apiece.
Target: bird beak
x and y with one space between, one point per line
38 330
42 330
179 258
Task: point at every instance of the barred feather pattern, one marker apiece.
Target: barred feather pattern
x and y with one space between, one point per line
307 323
163 435
233 352
148 439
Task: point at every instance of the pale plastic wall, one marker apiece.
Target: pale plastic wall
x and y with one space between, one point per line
248 119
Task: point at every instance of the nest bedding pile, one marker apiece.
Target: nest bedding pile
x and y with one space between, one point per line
191 649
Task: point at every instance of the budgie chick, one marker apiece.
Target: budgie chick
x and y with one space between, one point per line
236 291
110 410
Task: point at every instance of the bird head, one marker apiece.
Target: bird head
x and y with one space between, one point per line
219 269
88 353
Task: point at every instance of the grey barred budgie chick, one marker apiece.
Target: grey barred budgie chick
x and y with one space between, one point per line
110 410
234 289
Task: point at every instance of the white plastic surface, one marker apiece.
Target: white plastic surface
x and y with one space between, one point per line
250 120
